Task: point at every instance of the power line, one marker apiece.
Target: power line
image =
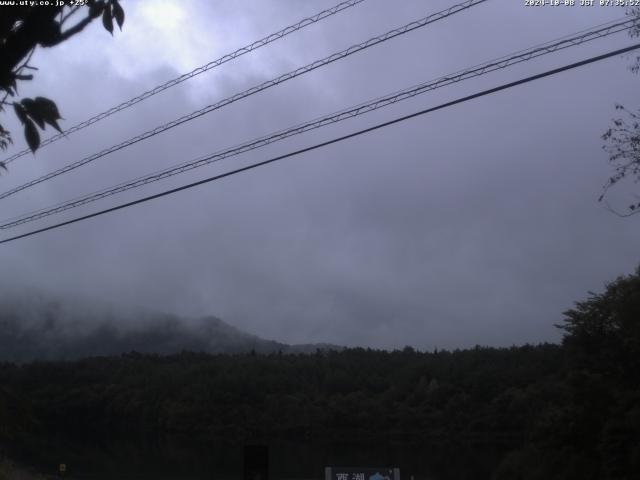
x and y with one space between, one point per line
263 86
197 71
351 112
332 141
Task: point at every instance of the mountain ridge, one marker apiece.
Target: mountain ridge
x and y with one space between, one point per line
38 328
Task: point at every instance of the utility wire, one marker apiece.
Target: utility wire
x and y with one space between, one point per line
263 86
332 141
493 65
197 71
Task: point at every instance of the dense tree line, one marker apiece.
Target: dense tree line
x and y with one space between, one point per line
556 411
406 393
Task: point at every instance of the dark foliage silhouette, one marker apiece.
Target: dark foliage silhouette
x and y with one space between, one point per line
23 28
569 411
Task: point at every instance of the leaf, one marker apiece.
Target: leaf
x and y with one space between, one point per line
107 21
32 135
5 138
20 113
34 112
55 125
118 14
49 111
13 87
4 166
95 8
49 107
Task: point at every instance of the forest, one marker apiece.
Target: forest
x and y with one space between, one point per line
564 411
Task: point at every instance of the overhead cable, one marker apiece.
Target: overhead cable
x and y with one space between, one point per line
329 142
493 65
258 88
196 71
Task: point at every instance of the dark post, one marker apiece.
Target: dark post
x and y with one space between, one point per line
256 462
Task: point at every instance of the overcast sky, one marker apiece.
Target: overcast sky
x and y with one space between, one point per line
478 224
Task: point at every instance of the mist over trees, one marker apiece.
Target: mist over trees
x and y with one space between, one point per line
36 327
569 411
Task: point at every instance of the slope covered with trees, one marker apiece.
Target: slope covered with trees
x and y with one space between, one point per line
569 411
34 326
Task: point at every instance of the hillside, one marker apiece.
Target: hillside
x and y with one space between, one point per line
565 412
36 327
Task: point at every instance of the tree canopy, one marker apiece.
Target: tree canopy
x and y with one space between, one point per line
603 331
569 411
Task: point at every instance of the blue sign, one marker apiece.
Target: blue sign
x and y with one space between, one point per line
361 473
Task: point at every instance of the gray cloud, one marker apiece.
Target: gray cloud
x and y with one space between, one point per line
477 224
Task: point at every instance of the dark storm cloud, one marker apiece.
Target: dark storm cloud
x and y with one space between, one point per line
477 224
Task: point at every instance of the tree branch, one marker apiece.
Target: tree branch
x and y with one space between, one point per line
618 214
64 18
18 45
77 28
